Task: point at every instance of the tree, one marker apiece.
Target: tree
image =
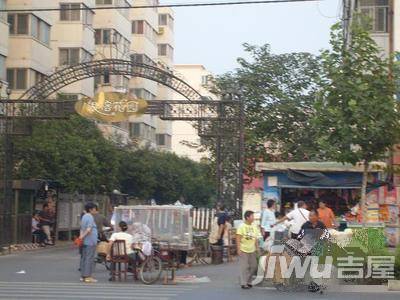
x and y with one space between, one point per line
166 178
279 93
75 153
357 116
71 151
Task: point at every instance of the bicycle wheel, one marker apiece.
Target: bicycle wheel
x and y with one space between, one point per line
150 270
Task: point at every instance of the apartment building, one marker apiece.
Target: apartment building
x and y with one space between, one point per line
152 33
29 46
112 39
385 21
144 31
165 52
37 44
185 139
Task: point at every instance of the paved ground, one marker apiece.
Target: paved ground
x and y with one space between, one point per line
52 274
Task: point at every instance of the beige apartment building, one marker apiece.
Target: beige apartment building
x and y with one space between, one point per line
385 16
37 44
185 139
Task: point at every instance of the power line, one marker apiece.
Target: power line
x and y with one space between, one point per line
222 3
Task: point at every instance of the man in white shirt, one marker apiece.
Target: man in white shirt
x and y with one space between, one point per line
268 218
298 217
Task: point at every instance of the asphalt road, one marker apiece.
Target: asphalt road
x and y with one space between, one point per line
52 274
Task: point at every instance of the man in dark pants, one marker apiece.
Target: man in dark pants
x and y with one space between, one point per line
222 216
88 235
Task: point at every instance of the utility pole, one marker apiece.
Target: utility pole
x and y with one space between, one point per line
7 197
347 14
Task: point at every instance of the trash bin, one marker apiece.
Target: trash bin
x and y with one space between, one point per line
216 254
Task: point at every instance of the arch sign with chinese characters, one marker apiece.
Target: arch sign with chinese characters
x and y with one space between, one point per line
111 107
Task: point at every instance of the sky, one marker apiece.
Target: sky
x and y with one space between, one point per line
213 36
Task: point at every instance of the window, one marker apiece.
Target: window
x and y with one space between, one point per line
3 15
206 79
44 32
134 129
106 37
17 79
2 67
11 22
70 12
106 77
378 12
37 76
19 24
142 59
165 50
22 24
104 2
111 36
87 16
69 56
166 20
35 27
137 58
143 94
162 49
163 19
142 27
117 37
163 140
138 27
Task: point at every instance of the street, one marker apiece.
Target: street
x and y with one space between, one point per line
52 274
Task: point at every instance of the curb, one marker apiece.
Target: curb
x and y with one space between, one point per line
20 248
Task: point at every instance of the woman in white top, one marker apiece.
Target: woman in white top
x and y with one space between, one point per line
122 235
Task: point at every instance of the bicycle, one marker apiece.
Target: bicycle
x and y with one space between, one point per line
150 268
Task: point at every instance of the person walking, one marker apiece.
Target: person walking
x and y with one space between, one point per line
326 215
88 235
298 216
101 222
46 218
268 218
218 226
247 237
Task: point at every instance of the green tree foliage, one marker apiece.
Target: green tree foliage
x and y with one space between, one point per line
166 178
357 116
75 153
71 151
279 93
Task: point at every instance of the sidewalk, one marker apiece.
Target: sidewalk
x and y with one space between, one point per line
17 248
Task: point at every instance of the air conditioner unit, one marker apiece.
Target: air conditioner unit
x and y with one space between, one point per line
161 30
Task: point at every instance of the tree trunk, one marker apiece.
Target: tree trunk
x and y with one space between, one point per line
363 202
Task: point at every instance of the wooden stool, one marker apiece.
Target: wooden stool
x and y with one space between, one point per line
119 260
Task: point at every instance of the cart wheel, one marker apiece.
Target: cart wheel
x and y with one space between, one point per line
150 270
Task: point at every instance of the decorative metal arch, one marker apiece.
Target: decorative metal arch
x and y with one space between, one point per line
75 73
